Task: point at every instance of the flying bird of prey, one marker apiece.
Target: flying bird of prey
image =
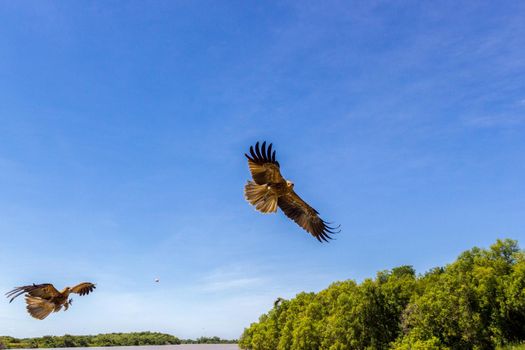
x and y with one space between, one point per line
269 190
42 299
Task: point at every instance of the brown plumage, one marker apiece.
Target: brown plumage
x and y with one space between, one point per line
42 299
269 190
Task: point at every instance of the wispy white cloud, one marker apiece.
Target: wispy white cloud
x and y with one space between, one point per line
234 283
180 312
496 120
230 279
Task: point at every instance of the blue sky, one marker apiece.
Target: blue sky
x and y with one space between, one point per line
123 127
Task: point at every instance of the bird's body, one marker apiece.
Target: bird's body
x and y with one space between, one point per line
278 302
42 299
270 190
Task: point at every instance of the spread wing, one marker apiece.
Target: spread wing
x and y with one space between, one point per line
44 291
40 308
83 288
263 166
305 216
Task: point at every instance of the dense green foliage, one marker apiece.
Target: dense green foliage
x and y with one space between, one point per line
209 340
110 339
477 302
513 347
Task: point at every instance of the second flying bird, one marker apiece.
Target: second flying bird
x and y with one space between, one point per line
269 190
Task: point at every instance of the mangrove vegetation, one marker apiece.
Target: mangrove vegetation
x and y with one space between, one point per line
476 302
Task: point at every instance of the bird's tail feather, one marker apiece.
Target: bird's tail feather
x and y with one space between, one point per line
261 197
38 307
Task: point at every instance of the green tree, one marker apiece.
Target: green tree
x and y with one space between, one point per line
477 302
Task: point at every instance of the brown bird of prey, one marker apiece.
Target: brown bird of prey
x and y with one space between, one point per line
269 190
42 299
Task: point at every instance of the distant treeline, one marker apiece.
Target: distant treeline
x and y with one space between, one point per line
477 302
109 339
209 340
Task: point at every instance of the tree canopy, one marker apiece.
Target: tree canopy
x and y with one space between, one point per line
477 302
109 339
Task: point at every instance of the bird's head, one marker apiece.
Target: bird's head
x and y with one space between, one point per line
289 183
